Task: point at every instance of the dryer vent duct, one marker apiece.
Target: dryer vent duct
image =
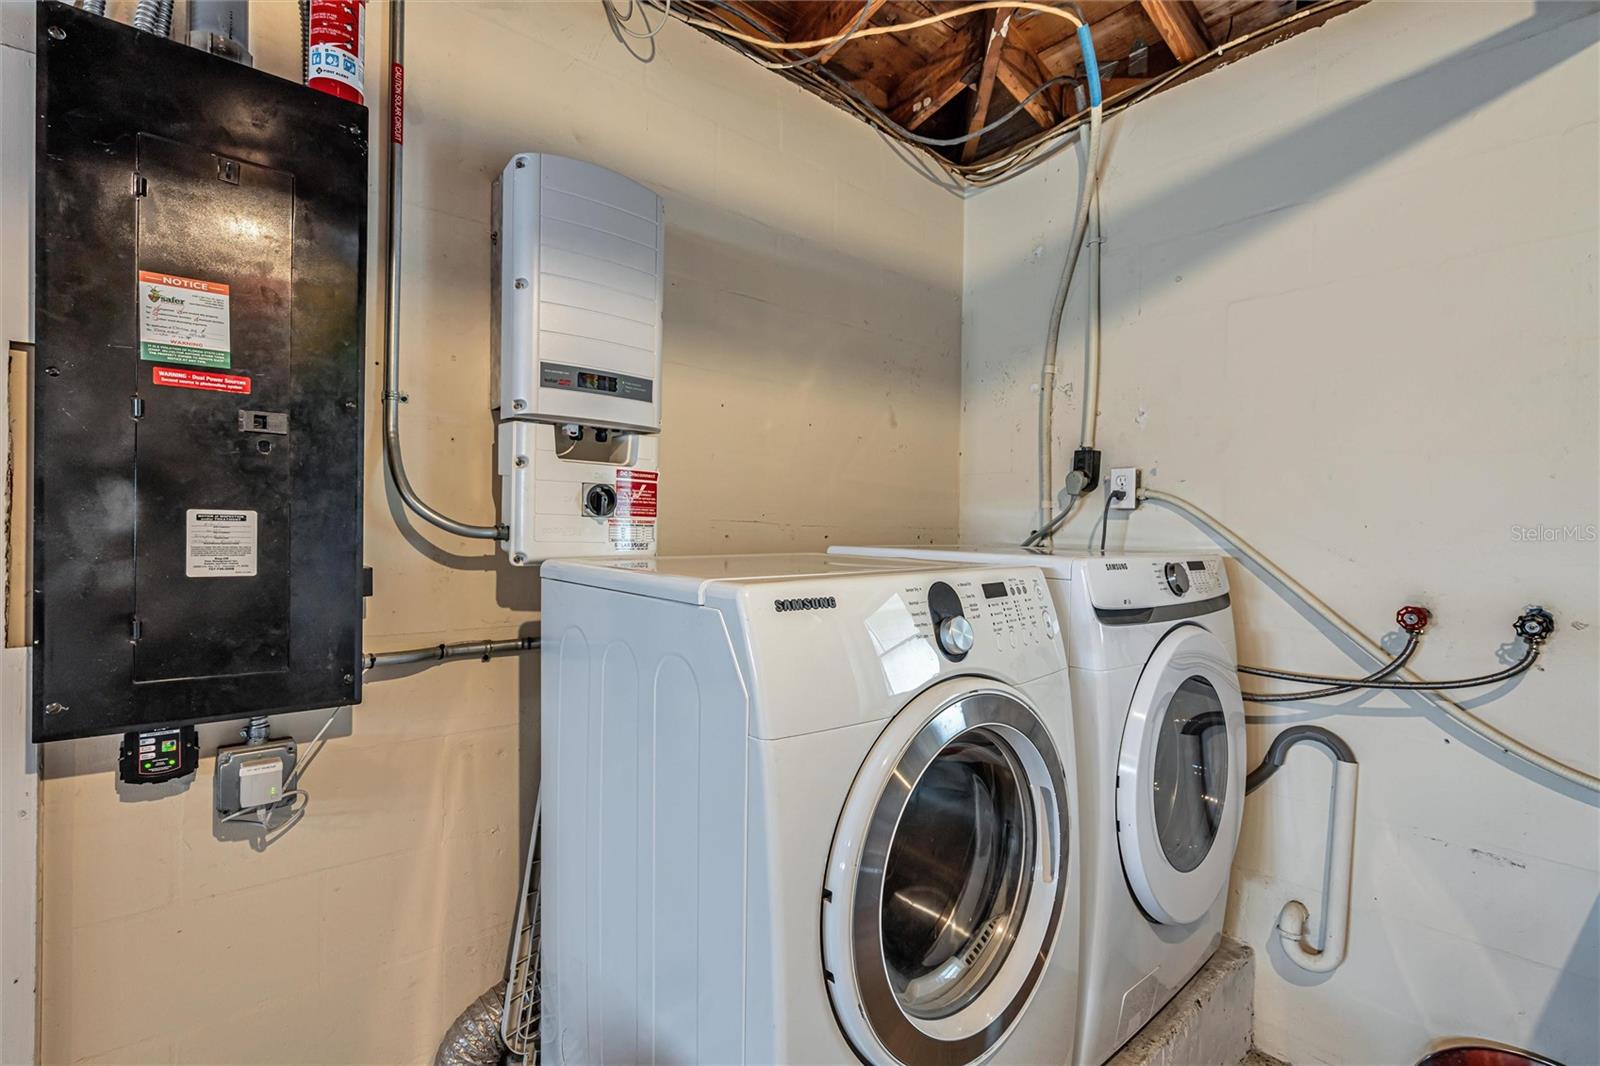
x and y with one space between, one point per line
473 1039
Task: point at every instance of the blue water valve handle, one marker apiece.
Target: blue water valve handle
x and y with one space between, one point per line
1091 65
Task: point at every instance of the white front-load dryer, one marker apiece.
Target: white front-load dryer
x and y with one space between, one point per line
806 809
1161 771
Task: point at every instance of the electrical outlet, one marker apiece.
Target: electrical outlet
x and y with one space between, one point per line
1124 479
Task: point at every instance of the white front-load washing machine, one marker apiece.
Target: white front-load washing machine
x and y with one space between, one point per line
1161 767
806 809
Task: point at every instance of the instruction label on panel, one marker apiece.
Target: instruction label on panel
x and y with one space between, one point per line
220 544
184 320
633 524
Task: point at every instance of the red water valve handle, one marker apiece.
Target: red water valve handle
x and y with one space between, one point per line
1413 619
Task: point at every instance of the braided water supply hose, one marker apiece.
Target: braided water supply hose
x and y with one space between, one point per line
1504 741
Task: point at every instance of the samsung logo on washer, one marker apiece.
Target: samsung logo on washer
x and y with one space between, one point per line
1116 566
809 603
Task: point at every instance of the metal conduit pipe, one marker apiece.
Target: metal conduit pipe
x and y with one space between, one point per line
482 650
1324 952
94 7
392 396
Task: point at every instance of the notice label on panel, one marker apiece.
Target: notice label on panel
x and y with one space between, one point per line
183 320
220 544
629 536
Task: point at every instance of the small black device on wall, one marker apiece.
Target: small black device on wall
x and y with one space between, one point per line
197 415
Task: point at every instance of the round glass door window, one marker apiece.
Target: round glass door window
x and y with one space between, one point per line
957 875
1191 774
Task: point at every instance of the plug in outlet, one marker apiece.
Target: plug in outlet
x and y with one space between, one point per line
1124 479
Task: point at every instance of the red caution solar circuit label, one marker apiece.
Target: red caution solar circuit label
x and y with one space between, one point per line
237 384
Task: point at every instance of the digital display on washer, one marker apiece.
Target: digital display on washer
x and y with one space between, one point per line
994 590
1192 565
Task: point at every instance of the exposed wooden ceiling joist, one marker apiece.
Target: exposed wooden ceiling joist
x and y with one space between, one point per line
1180 26
914 77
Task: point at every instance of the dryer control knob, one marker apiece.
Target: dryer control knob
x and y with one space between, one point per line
1177 578
955 635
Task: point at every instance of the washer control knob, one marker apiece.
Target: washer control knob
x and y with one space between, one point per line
1049 625
955 635
1177 578
599 500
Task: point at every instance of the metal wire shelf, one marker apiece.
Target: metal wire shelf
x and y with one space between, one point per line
519 1019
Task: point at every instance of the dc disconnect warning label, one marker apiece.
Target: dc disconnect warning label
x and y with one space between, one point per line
177 378
220 544
633 523
184 320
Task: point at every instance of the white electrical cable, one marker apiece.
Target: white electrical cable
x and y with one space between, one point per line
290 793
873 31
1047 385
619 20
1505 742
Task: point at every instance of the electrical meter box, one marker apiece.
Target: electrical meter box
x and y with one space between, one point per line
577 290
196 386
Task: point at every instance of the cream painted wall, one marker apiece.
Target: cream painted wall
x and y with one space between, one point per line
811 393
1350 295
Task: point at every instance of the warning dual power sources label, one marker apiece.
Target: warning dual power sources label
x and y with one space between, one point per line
177 378
184 320
220 544
633 524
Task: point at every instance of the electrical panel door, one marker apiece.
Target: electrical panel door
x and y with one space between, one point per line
196 428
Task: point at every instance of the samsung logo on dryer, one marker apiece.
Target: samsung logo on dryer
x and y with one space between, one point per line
808 603
1116 566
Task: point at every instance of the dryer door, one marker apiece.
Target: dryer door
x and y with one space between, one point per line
946 880
1180 777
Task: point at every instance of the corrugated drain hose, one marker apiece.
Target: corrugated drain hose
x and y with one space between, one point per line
474 1039
1504 741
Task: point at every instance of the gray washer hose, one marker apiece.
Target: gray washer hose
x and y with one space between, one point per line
473 1039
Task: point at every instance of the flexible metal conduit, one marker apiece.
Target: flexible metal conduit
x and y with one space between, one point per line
1334 927
482 650
1504 741
152 16
392 396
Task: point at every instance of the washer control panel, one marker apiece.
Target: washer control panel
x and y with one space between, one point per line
1119 582
986 611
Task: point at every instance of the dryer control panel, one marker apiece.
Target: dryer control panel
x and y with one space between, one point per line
1135 582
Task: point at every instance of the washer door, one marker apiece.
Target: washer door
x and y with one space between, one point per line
945 882
1180 777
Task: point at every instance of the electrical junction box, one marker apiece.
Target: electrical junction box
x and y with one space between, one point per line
577 280
252 775
196 386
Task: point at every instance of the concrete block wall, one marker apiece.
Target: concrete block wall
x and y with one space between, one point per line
1350 294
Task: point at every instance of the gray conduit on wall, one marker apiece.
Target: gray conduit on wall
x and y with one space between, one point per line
482 650
473 1039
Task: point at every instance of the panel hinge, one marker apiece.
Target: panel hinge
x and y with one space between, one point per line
135 629
138 407
139 186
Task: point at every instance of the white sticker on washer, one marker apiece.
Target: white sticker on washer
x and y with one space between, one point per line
220 544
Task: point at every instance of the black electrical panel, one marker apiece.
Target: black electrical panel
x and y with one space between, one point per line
197 416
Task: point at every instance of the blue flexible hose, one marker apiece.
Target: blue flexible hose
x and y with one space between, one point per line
1091 66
